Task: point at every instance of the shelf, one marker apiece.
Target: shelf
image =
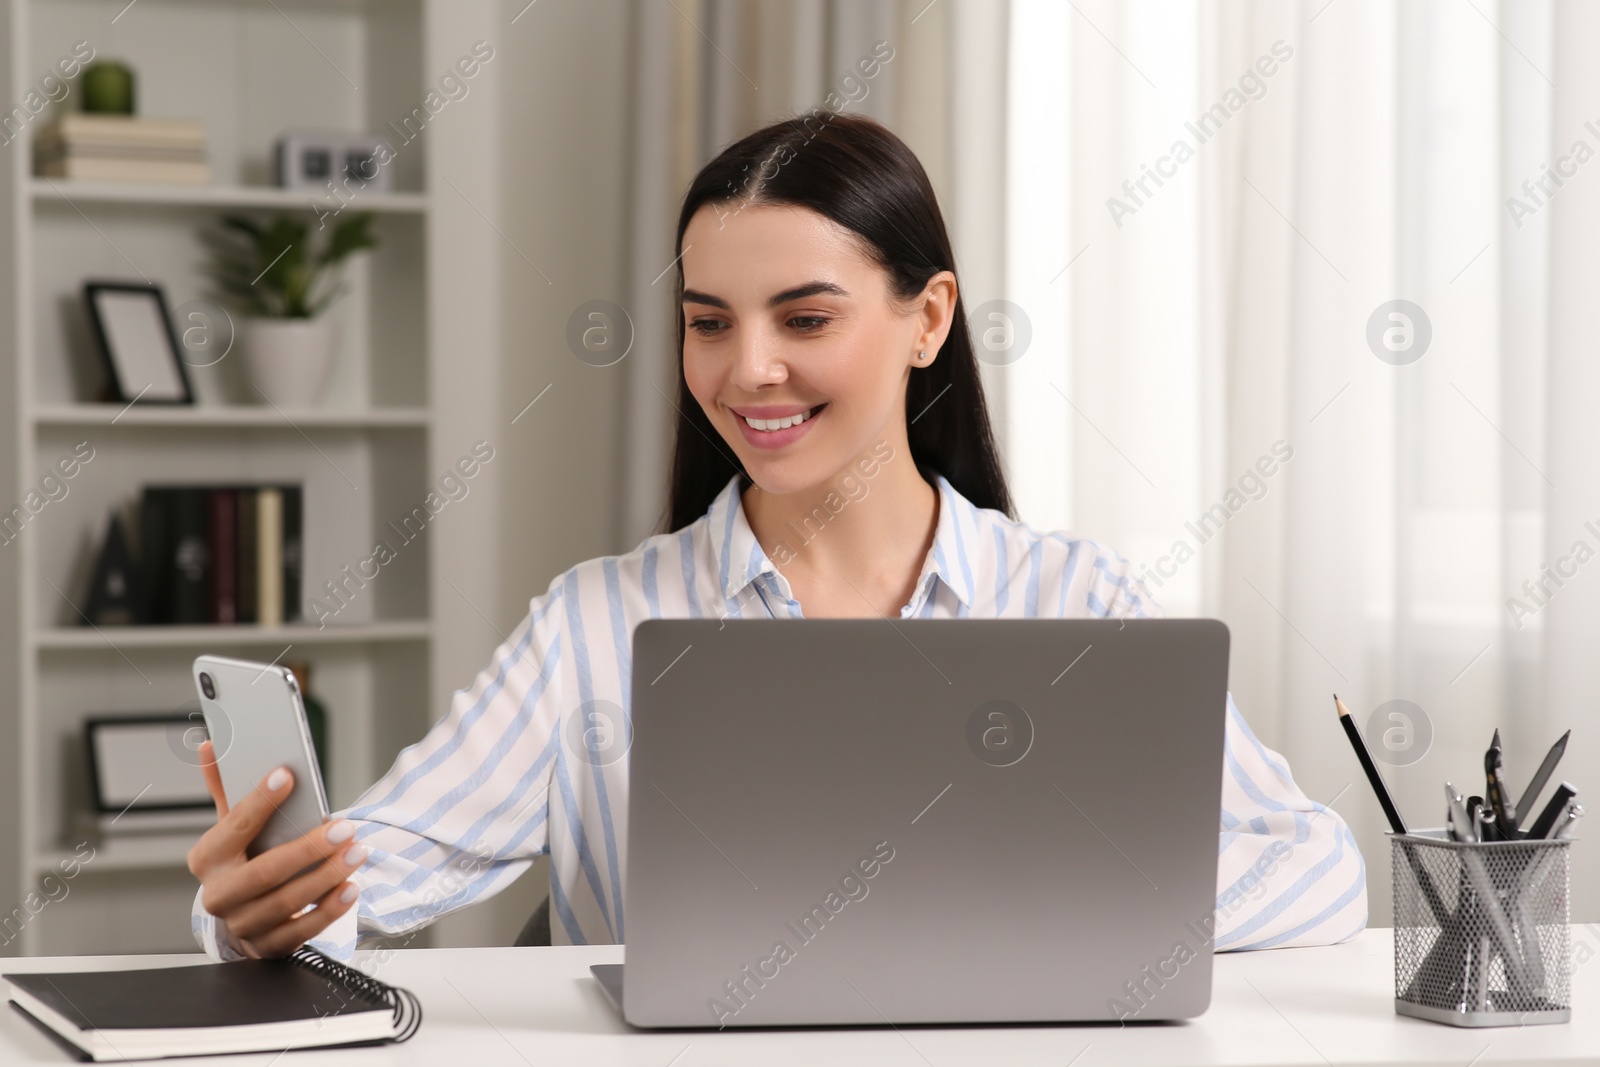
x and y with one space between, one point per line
66 190
135 852
365 455
224 416
106 638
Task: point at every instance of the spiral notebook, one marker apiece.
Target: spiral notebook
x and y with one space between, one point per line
306 1000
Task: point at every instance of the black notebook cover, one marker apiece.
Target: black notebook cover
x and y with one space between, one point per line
240 993
164 1005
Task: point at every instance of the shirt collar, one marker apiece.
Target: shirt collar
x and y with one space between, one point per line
737 554
951 555
740 559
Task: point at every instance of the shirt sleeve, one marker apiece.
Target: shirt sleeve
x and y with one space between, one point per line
218 942
1288 869
1114 592
439 840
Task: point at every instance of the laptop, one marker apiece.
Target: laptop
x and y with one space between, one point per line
871 822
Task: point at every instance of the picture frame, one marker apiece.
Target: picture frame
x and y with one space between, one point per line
135 766
134 333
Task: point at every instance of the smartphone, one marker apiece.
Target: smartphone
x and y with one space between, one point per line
257 722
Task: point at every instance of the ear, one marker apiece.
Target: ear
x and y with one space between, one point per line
934 314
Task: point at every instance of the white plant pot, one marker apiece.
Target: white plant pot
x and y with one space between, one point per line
287 360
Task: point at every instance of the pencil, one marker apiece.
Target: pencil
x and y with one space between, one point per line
1542 775
1396 823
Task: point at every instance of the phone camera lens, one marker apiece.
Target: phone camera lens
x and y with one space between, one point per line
207 686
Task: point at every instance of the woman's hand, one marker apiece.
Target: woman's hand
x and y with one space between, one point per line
264 900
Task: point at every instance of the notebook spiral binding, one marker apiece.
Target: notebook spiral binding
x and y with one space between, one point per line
407 1009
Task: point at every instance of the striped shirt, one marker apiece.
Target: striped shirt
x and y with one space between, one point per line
464 811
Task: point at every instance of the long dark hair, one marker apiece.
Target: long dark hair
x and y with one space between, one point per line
859 174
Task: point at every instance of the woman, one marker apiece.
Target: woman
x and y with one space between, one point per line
833 452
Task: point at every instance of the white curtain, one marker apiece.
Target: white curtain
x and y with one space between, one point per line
1354 154
1199 390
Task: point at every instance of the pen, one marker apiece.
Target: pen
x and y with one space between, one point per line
1505 814
1396 823
1552 811
1542 775
1487 831
1457 821
1474 806
1570 823
1489 907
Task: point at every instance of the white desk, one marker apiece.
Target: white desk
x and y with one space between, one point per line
540 1006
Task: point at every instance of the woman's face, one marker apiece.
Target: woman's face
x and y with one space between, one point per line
786 318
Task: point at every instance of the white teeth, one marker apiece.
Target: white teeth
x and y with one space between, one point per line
778 424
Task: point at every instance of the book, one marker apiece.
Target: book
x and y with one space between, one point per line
293 552
155 553
306 1000
122 148
188 591
127 170
269 557
246 564
224 586
219 554
53 151
81 127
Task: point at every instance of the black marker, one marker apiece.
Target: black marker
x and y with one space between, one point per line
1552 811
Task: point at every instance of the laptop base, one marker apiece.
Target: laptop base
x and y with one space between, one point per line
609 975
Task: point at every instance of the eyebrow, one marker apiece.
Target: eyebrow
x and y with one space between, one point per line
694 296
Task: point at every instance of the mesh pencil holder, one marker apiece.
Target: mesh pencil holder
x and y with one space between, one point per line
1481 934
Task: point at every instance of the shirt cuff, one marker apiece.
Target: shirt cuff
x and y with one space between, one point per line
212 933
337 940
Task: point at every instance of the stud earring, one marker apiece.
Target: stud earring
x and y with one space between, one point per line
922 355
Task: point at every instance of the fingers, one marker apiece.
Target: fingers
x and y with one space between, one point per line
213 777
225 842
276 869
286 937
268 910
247 817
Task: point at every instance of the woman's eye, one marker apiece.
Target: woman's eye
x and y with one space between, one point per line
807 323
706 327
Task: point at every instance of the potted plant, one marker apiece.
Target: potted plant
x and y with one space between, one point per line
282 280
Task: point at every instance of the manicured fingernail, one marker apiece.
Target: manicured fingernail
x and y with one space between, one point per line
278 779
350 893
343 830
354 855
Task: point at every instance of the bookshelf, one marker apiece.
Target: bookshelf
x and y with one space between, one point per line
80 638
412 336
218 417
57 190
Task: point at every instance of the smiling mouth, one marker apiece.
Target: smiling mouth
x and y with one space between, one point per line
774 425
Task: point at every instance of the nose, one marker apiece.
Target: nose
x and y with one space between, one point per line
757 361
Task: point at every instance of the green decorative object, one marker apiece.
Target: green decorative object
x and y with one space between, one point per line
316 717
273 271
108 88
